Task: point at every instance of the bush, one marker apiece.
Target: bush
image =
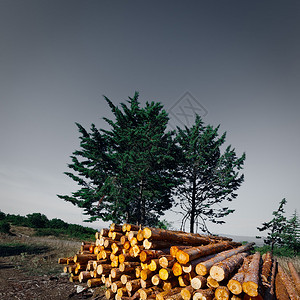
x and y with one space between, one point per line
37 220
4 227
2 215
277 251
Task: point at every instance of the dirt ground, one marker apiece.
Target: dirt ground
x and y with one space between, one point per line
35 273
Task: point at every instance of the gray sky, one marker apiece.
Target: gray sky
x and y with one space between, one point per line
239 61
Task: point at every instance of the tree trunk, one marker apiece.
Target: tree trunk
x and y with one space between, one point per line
193 206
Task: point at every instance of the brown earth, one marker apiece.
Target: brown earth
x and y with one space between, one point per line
35 274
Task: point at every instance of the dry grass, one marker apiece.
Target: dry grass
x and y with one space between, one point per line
283 261
39 263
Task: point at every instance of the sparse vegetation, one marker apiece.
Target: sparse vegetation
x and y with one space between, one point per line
45 227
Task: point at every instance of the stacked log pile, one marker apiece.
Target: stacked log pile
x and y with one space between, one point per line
150 263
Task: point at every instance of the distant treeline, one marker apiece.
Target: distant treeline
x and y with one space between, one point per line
43 226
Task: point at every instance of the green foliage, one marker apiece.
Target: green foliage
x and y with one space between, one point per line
4 226
16 220
126 173
209 177
275 227
10 249
45 227
2 215
283 251
282 232
37 220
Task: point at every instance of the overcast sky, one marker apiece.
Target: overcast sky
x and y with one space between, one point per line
236 62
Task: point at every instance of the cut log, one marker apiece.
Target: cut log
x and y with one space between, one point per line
104 232
184 256
132 227
84 258
163 295
145 293
212 283
109 294
251 279
270 290
167 261
165 273
198 282
222 293
221 271
204 294
125 277
155 244
280 290
177 269
93 282
174 297
104 269
145 284
84 276
140 236
147 274
133 285
156 280
295 276
116 285
115 227
266 267
187 292
147 255
174 249
116 273
131 235
204 267
170 283
184 280
128 266
236 282
154 265
122 292
258 297
288 284
176 237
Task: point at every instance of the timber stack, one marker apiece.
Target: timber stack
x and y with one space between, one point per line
150 263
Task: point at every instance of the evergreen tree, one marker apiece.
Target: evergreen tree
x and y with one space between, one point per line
276 227
131 168
210 178
291 234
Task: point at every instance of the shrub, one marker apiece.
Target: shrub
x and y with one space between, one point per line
4 227
37 220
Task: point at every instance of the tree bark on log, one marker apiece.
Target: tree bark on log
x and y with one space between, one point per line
176 237
288 284
270 290
184 256
221 271
266 267
187 292
251 279
295 276
204 294
204 267
198 282
280 290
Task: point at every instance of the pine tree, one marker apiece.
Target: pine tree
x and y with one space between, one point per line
131 168
210 177
276 227
291 233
